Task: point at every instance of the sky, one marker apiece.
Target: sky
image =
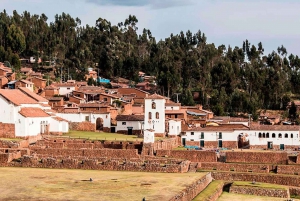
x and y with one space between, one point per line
228 22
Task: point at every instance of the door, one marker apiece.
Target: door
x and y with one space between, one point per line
270 145
220 143
129 130
112 129
183 141
201 143
281 146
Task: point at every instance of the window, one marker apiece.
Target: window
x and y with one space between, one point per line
192 133
264 135
202 135
123 123
87 118
176 116
220 135
68 88
157 115
259 135
273 135
150 115
105 99
192 139
292 136
286 135
279 135
267 135
153 105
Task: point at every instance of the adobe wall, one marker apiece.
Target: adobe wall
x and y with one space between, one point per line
89 153
257 157
191 191
23 151
134 132
7 130
101 164
298 159
260 191
230 144
193 156
287 180
8 157
82 126
234 167
210 144
288 169
165 144
32 139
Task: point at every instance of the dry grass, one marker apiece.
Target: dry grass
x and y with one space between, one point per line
62 184
238 197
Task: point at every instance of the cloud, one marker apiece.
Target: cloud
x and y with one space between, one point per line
154 4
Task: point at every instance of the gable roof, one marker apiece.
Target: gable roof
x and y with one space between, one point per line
155 96
130 118
33 112
33 95
17 97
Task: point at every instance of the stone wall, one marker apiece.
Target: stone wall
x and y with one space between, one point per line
294 191
165 144
230 144
103 164
216 194
8 157
298 159
281 193
193 156
32 139
193 190
134 132
257 157
287 180
7 130
86 153
82 126
288 169
235 167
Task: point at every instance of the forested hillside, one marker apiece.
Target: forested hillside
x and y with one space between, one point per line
229 79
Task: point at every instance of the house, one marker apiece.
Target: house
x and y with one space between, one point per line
174 127
76 99
55 102
38 82
130 124
65 89
91 74
234 136
24 113
155 114
24 83
145 86
26 71
133 91
51 91
3 82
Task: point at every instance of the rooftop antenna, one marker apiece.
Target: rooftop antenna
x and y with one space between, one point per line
177 96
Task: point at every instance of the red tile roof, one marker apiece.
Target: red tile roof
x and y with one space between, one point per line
59 119
274 127
17 97
155 96
130 118
33 95
33 112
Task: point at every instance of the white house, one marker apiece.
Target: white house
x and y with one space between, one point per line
174 127
155 113
27 114
130 124
65 89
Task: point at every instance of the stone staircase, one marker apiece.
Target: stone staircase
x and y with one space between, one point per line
193 167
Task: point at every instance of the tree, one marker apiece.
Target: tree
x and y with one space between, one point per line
293 111
16 39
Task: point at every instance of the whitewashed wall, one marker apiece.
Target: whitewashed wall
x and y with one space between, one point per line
156 124
136 125
174 127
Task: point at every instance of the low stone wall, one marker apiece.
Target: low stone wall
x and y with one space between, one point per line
82 126
193 156
89 153
294 191
193 190
32 139
275 147
7 130
281 193
8 157
298 159
288 169
257 157
102 164
24 151
286 180
134 132
165 144
235 167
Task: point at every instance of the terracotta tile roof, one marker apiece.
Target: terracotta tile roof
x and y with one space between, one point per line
55 98
129 91
33 112
90 88
96 105
174 112
17 97
64 84
25 69
109 95
33 95
274 127
141 84
130 118
51 87
238 119
155 96
172 104
220 128
59 119
26 81
45 105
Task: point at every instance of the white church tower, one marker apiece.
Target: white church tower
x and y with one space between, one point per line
155 113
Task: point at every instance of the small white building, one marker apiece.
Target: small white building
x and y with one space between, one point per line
155 113
174 127
149 136
130 124
65 89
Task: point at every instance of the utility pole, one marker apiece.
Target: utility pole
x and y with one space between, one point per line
177 96
249 120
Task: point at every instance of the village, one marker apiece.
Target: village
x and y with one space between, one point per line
169 137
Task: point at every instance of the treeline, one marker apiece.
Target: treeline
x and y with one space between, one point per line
228 79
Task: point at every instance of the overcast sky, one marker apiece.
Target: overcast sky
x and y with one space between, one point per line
227 22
